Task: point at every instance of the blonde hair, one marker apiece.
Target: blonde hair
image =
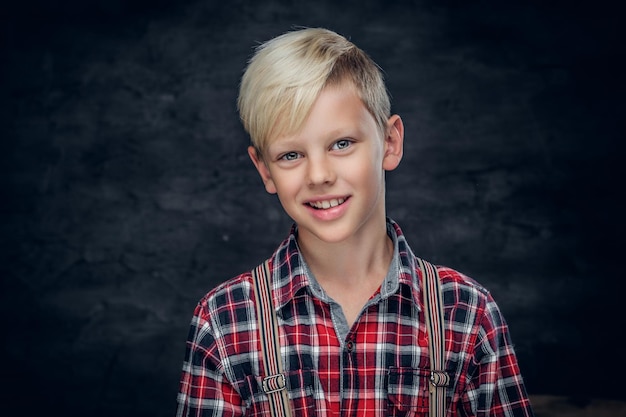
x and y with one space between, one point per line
286 74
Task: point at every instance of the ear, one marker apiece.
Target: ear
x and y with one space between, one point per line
264 172
394 143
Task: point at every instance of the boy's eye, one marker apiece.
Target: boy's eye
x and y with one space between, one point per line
341 144
289 156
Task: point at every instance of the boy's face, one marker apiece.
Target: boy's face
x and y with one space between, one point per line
329 176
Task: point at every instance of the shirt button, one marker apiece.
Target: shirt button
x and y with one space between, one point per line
350 345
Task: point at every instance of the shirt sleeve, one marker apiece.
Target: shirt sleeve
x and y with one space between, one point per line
204 388
496 387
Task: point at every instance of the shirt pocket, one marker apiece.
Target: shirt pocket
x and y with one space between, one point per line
300 387
407 392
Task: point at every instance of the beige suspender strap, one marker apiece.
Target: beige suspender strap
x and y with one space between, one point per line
433 312
275 384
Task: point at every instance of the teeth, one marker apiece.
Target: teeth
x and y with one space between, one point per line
327 203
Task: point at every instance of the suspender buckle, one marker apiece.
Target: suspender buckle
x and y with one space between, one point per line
439 379
274 383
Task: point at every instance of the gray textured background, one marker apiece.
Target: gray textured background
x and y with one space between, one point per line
127 193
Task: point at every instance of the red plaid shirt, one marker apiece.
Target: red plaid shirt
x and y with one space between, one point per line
379 367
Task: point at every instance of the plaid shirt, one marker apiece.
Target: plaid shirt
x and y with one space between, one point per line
378 367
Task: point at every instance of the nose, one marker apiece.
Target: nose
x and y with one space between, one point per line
320 170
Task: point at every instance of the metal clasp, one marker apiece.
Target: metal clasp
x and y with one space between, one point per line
274 383
439 378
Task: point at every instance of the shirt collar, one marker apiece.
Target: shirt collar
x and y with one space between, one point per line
289 271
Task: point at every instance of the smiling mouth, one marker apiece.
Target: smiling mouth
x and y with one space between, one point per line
326 204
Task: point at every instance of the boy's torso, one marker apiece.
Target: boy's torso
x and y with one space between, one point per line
379 366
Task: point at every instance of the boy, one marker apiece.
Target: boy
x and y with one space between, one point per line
346 288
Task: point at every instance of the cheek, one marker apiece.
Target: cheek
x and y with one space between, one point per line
364 168
286 184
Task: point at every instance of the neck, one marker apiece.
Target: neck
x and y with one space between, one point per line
362 260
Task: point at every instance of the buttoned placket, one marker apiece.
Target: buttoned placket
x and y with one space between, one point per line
345 334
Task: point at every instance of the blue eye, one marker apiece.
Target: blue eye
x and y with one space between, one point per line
290 156
342 144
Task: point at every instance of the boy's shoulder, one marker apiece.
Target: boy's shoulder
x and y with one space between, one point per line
227 297
452 278
226 308
462 291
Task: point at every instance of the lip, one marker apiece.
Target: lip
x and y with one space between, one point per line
330 213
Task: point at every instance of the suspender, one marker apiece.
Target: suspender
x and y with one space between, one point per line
433 312
275 385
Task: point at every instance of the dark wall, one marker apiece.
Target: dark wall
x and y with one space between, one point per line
127 192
